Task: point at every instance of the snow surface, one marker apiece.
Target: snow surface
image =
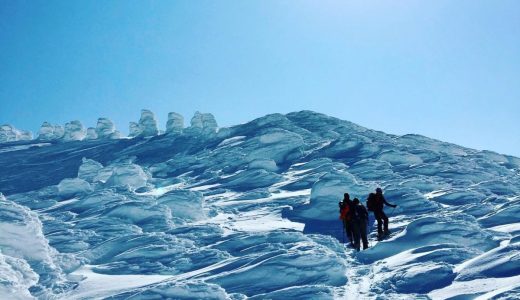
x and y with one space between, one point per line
251 212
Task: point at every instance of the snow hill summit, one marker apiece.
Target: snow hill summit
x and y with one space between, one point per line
251 212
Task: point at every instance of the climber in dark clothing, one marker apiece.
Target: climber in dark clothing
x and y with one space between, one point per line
379 214
359 224
345 210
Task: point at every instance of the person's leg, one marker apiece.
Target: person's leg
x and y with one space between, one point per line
356 233
385 221
377 215
350 234
363 233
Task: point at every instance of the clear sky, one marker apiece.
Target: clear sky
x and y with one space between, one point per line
444 69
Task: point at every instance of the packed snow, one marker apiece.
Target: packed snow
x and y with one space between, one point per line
251 212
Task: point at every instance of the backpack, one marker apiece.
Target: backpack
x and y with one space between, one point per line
371 202
344 213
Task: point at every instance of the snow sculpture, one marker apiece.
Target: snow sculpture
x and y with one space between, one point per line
205 122
329 189
147 123
184 204
105 129
134 130
70 187
74 131
91 134
89 169
175 123
131 176
146 127
49 132
25 135
8 133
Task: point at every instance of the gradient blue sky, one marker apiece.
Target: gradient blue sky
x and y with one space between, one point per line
445 69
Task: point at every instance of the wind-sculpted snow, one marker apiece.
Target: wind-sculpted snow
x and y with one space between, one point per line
49 132
147 125
105 129
8 133
175 123
74 131
251 212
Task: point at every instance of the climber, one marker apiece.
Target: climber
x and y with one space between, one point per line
376 203
345 210
359 224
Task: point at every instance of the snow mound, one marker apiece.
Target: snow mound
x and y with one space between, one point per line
74 131
128 175
70 187
8 133
105 129
204 122
433 230
175 123
499 262
184 204
89 169
49 132
134 129
91 134
147 124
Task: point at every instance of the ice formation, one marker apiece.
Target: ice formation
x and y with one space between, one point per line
89 169
74 131
147 123
49 132
8 133
204 122
251 212
175 123
146 127
105 129
91 134
134 129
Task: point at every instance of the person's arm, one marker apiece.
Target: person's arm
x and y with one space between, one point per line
386 203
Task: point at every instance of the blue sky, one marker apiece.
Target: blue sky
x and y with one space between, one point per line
444 69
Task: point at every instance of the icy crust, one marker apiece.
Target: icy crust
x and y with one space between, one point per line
17 278
251 211
30 267
8 133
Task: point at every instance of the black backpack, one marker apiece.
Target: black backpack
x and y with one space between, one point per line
371 202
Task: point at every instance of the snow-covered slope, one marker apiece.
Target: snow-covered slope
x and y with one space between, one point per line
250 212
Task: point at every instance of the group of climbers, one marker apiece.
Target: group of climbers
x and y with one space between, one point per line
355 218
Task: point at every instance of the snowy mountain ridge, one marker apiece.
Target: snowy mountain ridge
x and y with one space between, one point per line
250 212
